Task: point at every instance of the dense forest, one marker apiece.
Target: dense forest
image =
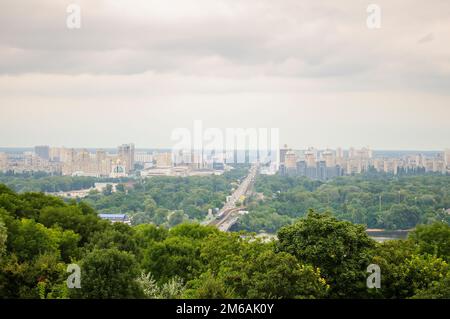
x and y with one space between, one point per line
318 256
376 201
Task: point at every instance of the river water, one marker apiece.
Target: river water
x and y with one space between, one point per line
385 235
380 235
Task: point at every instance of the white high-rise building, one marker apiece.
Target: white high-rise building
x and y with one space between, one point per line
43 151
339 153
104 163
3 161
290 160
126 156
310 158
329 158
447 156
143 157
163 159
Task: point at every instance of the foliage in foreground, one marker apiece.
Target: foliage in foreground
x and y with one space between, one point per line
316 257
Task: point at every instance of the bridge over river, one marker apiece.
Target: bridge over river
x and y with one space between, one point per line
229 214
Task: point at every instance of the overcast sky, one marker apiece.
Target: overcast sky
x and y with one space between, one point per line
137 69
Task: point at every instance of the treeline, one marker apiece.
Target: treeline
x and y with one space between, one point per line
375 201
43 182
316 257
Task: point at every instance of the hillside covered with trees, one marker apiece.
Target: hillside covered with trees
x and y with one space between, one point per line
318 256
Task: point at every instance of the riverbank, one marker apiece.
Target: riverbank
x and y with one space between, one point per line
379 235
382 235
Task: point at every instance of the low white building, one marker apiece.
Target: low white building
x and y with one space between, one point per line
116 218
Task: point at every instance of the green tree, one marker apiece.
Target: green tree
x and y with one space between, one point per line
193 231
73 218
173 289
109 274
147 233
176 218
120 188
118 235
30 239
3 236
40 278
401 216
208 286
108 190
437 290
340 249
173 257
403 271
270 275
433 239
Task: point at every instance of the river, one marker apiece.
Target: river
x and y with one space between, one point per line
382 235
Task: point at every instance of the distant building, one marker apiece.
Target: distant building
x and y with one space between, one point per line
100 187
163 159
290 160
219 166
42 151
339 153
55 154
282 169
3 162
301 168
322 170
166 171
143 157
291 163
334 171
283 152
447 157
310 158
103 163
126 156
311 172
116 218
329 158
118 170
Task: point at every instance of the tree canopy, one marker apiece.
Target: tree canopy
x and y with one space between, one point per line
317 256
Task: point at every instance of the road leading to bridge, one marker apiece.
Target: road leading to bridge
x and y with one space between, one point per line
229 214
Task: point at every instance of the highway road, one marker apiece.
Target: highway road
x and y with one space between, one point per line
229 214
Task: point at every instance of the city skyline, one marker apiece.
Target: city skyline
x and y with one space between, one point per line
128 161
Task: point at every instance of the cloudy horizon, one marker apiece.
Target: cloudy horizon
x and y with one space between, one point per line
136 70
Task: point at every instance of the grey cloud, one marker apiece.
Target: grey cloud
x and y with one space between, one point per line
228 38
428 38
258 33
